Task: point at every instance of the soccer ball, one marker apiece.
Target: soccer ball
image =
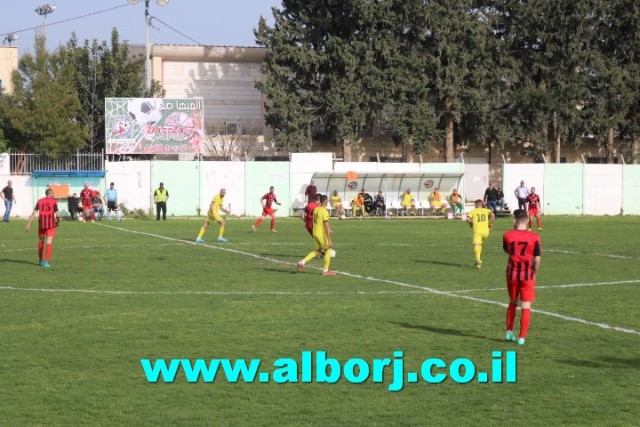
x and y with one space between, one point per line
343 216
332 253
144 111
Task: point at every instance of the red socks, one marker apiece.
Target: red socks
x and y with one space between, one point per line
511 316
525 320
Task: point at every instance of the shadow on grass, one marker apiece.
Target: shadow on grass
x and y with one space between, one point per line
19 261
446 263
445 331
604 362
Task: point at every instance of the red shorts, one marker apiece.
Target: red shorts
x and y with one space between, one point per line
534 212
525 290
47 233
309 228
268 212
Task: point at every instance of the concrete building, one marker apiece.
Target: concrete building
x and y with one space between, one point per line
8 63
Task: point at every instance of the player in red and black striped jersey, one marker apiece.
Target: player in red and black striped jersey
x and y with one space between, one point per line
533 202
525 250
48 219
307 213
267 202
86 197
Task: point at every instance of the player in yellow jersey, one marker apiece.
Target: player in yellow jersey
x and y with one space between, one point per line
322 238
481 220
217 205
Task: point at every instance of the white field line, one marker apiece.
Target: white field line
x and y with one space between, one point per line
571 285
391 282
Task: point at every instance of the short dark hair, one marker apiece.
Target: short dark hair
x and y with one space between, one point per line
323 198
520 214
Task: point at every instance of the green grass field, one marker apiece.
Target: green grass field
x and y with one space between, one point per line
72 336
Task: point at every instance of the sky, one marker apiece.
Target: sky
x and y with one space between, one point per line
190 22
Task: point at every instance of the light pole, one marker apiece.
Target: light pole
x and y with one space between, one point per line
45 10
147 24
10 38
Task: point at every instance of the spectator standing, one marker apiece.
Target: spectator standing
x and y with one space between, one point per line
9 200
160 198
311 191
73 204
521 194
491 198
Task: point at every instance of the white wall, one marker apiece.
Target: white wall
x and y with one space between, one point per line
599 188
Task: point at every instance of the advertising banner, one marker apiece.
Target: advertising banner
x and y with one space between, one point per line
154 125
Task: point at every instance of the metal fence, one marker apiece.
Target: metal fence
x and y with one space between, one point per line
25 164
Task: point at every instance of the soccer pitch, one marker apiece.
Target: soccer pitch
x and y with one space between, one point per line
73 336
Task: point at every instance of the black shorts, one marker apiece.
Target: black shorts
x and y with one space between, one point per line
112 206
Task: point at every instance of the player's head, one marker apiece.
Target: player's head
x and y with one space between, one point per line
408 191
520 216
323 200
111 185
223 191
533 190
454 191
492 184
272 189
521 182
86 185
479 203
162 185
49 192
335 192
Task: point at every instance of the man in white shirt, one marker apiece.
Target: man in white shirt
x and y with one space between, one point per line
521 194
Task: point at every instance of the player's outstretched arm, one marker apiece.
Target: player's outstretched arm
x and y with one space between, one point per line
27 228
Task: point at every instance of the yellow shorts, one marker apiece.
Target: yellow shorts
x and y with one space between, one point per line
480 236
214 217
322 243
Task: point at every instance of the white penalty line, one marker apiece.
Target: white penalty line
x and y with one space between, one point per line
395 283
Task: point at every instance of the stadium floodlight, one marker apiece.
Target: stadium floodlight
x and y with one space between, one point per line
45 10
10 38
147 23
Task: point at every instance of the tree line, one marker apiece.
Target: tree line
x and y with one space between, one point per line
454 72
436 73
58 98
